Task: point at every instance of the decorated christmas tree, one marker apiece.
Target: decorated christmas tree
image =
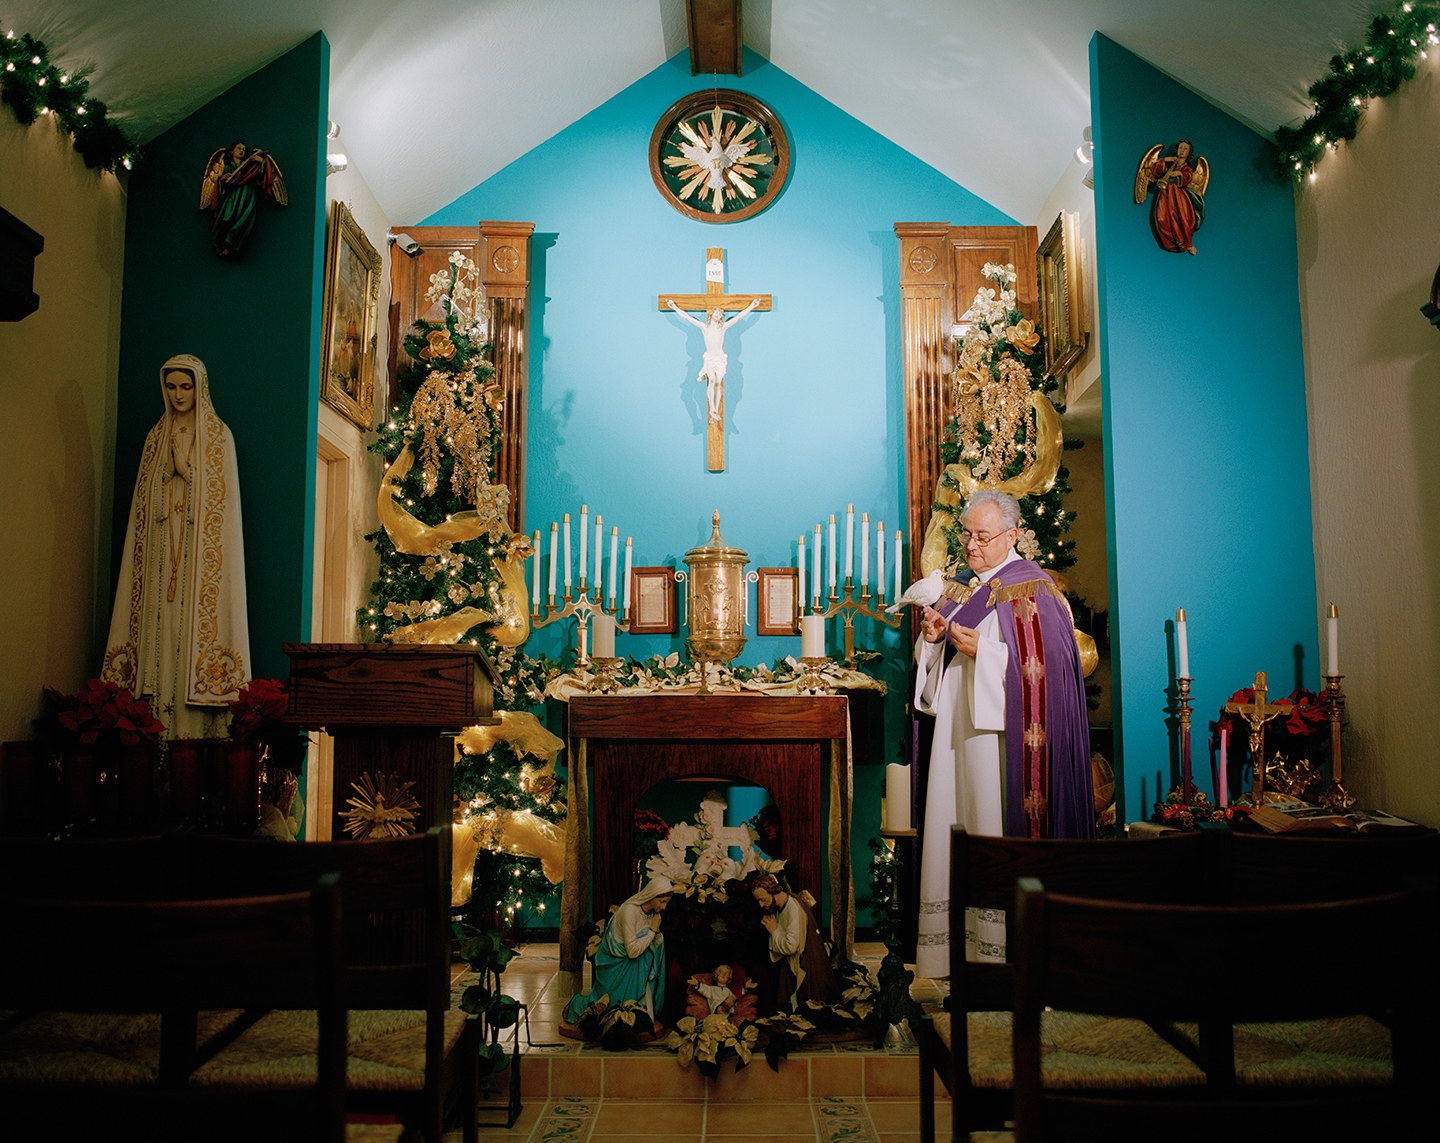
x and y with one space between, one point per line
1005 433
452 571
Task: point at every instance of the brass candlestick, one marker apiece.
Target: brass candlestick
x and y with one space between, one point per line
604 682
1187 790
848 606
1336 797
582 607
1257 714
812 682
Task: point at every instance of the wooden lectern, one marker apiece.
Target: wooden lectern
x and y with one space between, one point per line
392 710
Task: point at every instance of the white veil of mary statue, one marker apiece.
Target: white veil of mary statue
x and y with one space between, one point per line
178 634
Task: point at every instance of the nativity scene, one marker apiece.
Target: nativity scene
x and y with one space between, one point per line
993 646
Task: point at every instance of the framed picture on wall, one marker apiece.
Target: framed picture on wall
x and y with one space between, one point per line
1060 265
779 602
352 297
652 599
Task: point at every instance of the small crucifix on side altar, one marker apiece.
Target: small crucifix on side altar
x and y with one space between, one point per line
714 302
1257 714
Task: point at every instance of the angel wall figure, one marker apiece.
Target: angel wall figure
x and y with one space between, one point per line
235 177
1178 206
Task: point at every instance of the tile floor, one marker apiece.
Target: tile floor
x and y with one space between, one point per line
578 1093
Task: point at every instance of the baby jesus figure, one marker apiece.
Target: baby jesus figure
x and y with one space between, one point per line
717 996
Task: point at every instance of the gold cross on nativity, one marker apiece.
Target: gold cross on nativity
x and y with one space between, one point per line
714 302
1257 714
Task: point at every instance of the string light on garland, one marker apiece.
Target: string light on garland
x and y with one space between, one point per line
32 86
1375 70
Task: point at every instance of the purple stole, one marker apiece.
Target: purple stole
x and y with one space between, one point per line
1048 787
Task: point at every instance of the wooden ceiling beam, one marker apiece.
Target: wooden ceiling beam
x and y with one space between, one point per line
715 36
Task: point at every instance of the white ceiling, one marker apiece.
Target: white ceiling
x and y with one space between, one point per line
437 95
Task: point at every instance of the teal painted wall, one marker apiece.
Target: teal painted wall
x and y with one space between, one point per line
812 393
1207 465
255 322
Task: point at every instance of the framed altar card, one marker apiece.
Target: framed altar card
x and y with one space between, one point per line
652 598
1060 264
352 296
779 602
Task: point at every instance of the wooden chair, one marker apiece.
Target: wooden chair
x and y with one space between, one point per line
78 956
969 1045
410 1053
1217 966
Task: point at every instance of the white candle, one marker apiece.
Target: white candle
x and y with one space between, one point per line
1182 648
584 532
627 573
604 642
566 520
897 563
1332 639
880 560
535 573
800 574
832 553
849 542
1222 787
554 554
812 637
897 796
599 552
614 546
864 550
816 587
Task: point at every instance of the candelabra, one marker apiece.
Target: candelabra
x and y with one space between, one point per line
847 606
582 607
1336 797
1187 788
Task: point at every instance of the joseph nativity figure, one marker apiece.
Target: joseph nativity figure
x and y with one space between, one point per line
796 947
178 633
998 668
630 962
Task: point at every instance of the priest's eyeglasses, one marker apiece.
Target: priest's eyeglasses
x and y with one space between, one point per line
967 538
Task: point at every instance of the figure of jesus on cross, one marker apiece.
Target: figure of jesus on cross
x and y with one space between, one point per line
715 303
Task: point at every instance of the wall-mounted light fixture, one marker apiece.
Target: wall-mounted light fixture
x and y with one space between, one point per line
335 157
1085 156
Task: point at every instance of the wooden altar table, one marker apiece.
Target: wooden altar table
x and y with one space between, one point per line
635 741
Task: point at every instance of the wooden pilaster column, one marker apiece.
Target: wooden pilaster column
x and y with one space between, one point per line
925 323
505 272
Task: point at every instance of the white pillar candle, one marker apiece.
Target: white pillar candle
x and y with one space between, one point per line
816 588
812 637
1182 648
897 796
832 553
627 573
880 559
584 532
897 563
535 573
1332 639
864 550
566 529
1222 779
849 542
800 574
554 555
603 645
599 552
614 547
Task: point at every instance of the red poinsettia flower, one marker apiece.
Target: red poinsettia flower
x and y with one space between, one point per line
258 707
103 711
1307 714
651 823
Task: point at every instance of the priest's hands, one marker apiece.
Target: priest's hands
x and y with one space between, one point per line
964 639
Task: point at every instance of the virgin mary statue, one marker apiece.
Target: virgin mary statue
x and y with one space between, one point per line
178 634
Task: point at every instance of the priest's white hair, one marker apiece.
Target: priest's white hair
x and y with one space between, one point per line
1008 505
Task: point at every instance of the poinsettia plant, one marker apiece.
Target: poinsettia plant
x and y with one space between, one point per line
258 709
1304 717
102 712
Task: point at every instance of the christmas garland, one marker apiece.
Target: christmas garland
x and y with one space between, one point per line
33 87
1377 69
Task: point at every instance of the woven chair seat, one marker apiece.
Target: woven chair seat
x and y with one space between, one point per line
93 1048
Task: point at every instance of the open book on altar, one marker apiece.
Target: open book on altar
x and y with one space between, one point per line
1302 817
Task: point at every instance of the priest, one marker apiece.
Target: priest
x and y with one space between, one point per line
998 668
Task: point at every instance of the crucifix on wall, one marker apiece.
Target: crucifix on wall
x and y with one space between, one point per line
714 303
